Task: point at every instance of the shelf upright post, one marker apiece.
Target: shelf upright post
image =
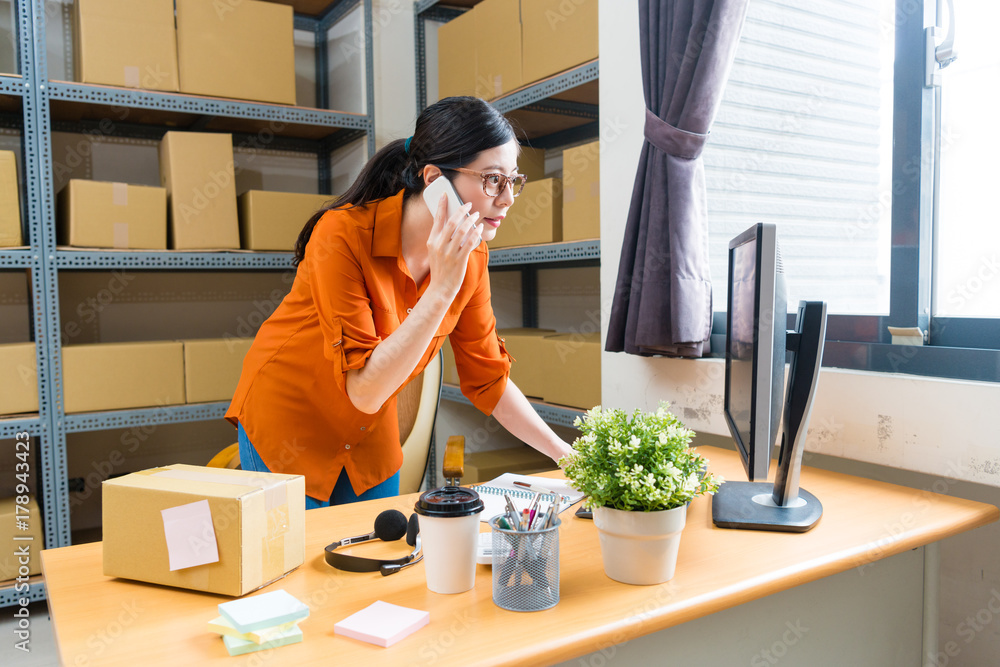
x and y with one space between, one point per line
45 287
420 58
370 76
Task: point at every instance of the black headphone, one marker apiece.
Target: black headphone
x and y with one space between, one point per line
390 525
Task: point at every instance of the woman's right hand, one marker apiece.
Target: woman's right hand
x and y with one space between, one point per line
449 244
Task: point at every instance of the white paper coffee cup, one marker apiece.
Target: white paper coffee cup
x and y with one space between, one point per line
449 534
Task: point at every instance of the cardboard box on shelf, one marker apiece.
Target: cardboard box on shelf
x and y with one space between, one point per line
212 368
126 43
457 56
535 217
9 514
197 169
556 35
116 376
94 214
527 348
531 163
243 50
273 220
581 217
19 368
572 373
10 202
498 59
484 466
209 529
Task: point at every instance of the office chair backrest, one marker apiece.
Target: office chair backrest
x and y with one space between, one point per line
417 407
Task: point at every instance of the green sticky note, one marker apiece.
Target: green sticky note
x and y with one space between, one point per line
263 611
237 646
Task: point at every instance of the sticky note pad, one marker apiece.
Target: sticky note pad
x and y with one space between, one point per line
225 628
382 624
263 611
190 535
237 646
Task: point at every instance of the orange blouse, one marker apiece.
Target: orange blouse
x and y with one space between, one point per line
351 290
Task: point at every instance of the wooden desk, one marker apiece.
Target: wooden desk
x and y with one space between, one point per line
99 620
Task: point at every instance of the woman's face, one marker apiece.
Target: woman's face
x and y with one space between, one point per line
492 210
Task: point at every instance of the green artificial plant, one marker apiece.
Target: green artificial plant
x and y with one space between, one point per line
638 462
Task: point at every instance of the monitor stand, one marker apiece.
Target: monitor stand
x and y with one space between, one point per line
751 506
783 506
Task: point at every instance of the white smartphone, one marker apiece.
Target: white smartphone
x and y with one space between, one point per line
433 192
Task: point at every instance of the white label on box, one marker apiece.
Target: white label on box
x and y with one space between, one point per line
132 76
119 194
190 535
119 235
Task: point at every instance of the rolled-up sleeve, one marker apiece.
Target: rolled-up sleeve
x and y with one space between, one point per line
482 362
337 285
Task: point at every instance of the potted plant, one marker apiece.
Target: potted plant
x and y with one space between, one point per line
639 473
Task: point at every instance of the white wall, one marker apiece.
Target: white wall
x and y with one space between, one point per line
942 428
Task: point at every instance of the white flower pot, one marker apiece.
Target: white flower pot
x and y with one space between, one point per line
640 547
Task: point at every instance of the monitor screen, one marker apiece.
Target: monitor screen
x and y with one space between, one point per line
755 346
741 340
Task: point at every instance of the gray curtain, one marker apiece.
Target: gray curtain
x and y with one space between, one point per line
663 297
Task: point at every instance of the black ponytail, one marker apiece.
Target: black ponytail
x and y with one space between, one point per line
450 133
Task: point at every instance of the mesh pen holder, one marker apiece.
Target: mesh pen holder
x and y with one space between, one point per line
525 567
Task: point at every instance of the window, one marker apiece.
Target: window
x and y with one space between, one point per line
968 219
803 139
880 183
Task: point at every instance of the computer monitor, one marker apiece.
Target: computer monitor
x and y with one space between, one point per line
757 406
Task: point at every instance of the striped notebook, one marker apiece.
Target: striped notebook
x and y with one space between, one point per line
492 493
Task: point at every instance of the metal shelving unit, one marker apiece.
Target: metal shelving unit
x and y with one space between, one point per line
554 112
40 106
172 259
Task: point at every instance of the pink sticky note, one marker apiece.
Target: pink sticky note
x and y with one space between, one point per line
382 623
190 535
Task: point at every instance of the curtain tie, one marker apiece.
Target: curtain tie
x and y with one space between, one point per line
671 140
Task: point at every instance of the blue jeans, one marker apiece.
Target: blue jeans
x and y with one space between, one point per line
342 494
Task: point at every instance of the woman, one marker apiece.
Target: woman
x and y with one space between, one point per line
381 281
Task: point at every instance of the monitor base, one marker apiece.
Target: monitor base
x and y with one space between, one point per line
734 506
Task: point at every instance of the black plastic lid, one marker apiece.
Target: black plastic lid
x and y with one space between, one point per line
449 501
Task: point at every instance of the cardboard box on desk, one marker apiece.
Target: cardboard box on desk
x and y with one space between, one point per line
457 56
212 368
556 35
572 369
498 59
10 202
197 170
581 218
117 376
126 43
273 220
19 368
94 214
243 50
9 530
535 217
160 526
528 349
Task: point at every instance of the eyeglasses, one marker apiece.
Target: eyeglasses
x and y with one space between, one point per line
494 183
